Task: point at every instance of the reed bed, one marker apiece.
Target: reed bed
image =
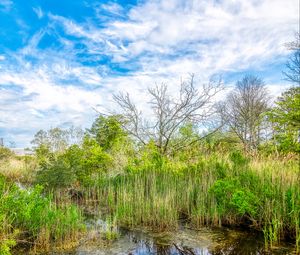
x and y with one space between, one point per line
207 190
212 191
31 218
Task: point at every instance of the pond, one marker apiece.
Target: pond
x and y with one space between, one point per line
182 242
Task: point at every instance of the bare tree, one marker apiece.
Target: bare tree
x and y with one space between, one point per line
293 65
169 113
243 110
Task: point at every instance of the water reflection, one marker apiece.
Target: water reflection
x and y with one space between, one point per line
164 245
184 242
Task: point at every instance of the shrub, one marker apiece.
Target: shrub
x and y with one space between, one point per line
233 198
238 159
244 202
36 215
57 173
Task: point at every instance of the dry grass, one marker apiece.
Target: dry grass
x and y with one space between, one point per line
19 169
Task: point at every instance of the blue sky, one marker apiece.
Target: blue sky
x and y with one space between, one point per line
61 59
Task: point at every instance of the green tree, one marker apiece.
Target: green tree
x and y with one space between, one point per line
285 117
107 131
94 161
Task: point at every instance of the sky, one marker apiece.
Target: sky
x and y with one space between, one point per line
60 60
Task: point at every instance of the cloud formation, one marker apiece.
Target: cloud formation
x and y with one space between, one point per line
68 65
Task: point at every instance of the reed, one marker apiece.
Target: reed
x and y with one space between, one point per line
212 191
19 169
30 217
207 190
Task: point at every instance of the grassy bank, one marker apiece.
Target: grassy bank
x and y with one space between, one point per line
31 219
213 191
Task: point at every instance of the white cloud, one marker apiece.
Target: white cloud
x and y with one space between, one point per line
112 7
160 41
276 89
42 104
39 12
221 36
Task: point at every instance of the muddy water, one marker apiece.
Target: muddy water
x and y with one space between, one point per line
182 242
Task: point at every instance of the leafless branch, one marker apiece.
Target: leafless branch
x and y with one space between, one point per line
192 105
243 110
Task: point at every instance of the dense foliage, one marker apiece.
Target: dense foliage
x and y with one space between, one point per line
32 216
285 117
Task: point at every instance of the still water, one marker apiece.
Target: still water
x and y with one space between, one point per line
182 242
185 241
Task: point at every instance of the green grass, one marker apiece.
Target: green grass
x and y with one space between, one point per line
207 190
28 216
211 191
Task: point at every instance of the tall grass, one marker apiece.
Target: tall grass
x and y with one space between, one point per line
208 190
19 168
211 191
28 216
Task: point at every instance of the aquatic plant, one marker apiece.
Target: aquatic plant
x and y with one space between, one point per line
211 191
31 216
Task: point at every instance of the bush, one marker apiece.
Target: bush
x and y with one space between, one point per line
238 160
75 166
57 173
31 212
233 198
244 202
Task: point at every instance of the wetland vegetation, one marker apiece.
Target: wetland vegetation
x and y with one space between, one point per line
169 177
166 127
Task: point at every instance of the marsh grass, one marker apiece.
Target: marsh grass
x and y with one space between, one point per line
19 168
212 191
32 218
208 190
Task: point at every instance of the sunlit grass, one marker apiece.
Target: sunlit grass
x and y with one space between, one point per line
32 218
262 194
19 169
